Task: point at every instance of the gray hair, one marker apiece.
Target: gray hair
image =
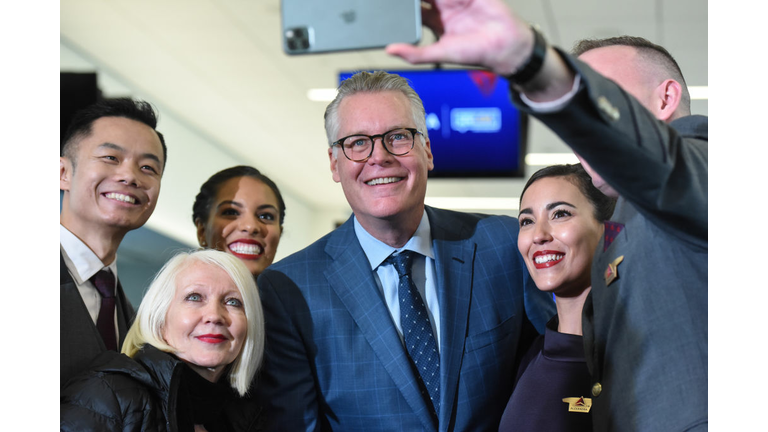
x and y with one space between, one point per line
148 325
373 82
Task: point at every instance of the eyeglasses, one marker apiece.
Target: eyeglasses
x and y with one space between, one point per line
358 148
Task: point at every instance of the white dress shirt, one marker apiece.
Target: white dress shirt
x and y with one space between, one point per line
555 105
422 271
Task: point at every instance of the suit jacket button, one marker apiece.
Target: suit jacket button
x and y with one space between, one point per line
597 389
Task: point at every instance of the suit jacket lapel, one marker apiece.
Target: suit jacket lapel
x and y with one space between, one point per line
454 262
350 276
72 306
78 319
124 314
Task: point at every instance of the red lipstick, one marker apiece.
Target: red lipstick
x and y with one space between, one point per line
212 338
246 248
547 258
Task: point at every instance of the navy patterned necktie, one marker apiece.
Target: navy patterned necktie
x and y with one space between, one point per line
104 281
417 330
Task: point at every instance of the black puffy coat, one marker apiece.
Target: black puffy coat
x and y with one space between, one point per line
154 391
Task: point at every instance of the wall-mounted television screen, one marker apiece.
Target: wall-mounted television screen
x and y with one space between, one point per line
474 129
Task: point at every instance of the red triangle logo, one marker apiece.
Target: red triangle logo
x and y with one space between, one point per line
484 80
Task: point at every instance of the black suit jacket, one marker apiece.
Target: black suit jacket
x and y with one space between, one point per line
79 338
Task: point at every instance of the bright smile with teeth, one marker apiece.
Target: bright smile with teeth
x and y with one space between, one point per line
121 197
383 180
245 248
547 258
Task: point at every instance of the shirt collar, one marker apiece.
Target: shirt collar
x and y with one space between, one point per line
377 251
81 260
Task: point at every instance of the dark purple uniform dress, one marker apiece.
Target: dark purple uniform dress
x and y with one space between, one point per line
553 369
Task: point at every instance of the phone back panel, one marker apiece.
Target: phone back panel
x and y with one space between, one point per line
316 26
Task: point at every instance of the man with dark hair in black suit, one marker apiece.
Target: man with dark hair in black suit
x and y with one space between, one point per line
111 163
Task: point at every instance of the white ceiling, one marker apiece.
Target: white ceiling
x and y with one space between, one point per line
218 66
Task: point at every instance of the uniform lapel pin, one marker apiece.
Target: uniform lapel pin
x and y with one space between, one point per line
578 404
612 272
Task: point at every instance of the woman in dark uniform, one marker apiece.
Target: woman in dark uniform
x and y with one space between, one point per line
562 219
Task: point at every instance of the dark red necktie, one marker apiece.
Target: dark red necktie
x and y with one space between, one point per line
104 281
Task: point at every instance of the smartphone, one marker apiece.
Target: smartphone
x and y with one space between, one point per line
321 26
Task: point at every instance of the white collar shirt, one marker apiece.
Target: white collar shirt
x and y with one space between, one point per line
422 271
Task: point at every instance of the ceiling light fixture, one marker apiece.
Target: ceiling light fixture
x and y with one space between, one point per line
321 94
547 159
699 92
474 203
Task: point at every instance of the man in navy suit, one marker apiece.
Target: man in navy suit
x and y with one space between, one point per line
111 163
335 317
623 107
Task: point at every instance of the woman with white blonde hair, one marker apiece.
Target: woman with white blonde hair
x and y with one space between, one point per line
188 359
